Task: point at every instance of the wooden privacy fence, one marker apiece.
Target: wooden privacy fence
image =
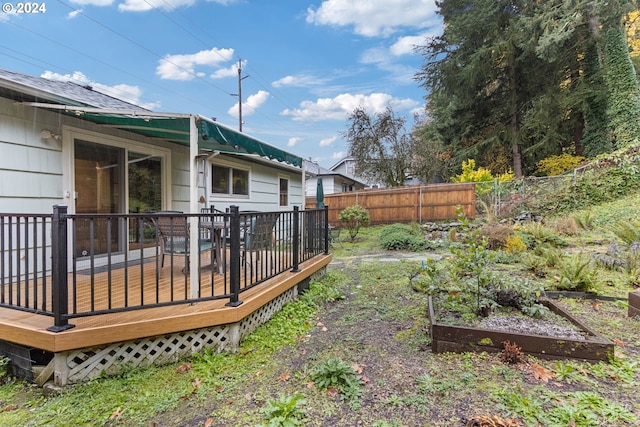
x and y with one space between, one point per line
420 203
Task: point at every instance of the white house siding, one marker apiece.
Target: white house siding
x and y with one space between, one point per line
263 186
30 167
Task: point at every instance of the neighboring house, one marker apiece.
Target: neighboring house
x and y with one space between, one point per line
347 166
333 182
62 143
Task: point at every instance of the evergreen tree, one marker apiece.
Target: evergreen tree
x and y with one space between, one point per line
480 75
526 80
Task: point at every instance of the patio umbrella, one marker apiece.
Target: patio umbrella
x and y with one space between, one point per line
320 194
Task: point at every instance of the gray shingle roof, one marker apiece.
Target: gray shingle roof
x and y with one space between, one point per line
45 90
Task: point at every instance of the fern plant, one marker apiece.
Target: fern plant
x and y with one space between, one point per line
577 274
627 231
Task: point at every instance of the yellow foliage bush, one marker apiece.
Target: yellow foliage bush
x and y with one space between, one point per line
556 165
514 244
480 175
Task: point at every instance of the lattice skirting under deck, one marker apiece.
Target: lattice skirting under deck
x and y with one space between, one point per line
85 364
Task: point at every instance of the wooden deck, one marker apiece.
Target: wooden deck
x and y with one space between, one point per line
30 330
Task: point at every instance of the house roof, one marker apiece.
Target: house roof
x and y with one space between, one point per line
315 169
23 87
341 161
87 104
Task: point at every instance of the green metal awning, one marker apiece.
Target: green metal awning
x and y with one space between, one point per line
217 137
174 128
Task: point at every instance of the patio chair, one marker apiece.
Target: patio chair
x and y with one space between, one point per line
334 235
259 236
174 238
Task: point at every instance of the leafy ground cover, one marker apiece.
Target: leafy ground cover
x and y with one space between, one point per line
355 349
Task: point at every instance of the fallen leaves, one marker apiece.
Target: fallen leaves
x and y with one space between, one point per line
195 385
333 392
541 373
116 414
285 376
183 368
491 421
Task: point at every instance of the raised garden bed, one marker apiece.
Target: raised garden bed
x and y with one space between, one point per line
634 303
589 346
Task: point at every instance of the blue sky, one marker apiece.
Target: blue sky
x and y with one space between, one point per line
305 65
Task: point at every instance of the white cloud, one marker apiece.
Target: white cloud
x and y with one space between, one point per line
252 103
124 92
338 155
100 3
406 45
339 107
183 67
222 73
74 13
328 141
374 17
302 80
293 141
144 5
384 61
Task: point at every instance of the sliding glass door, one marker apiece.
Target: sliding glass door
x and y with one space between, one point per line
110 179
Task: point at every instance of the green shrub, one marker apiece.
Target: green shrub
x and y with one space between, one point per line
354 217
576 273
402 237
4 368
541 234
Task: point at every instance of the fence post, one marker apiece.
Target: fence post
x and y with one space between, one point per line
234 257
59 282
326 229
296 239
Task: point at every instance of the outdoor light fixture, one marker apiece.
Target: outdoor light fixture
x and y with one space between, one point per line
46 134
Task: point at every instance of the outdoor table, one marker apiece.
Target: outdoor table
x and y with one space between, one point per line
216 228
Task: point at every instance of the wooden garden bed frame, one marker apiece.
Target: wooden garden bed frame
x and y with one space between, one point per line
634 303
458 339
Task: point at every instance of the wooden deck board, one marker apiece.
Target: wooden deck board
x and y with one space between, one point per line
31 329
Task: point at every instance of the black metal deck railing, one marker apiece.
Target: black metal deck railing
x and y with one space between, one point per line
68 266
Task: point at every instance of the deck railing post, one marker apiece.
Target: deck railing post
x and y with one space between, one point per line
296 239
234 257
326 230
59 282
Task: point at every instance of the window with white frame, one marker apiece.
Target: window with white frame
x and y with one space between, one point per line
284 192
229 180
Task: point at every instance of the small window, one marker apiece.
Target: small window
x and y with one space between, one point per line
231 181
284 192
